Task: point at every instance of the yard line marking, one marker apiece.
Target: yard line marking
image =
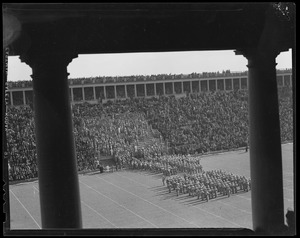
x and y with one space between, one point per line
219 217
99 214
119 204
242 210
133 181
249 199
148 202
91 209
36 189
25 208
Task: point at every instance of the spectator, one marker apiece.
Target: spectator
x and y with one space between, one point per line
200 123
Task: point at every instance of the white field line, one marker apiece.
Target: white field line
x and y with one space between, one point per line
36 188
25 209
220 217
91 209
242 210
148 201
119 204
133 180
98 214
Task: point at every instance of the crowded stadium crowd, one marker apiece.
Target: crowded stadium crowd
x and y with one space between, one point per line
207 185
137 78
196 123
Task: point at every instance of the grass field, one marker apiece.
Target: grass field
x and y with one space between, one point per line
137 199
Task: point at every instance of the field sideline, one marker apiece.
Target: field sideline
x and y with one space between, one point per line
137 199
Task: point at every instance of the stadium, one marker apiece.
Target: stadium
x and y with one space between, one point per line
161 151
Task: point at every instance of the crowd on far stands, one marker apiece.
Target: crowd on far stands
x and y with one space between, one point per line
135 78
21 147
146 129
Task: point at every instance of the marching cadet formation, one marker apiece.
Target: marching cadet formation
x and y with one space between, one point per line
207 185
195 182
167 164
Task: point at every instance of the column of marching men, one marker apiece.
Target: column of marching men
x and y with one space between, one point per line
204 185
166 164
207 185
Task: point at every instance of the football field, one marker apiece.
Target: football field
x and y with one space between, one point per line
137 199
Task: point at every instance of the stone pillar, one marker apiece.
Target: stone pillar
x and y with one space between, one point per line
72 95
104 91
83 94
56 159
24 98
125 86
173 88
11 98
265 142
94 93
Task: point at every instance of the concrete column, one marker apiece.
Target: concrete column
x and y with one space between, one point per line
94 92
164 89
125 86
135 92
232 84
265 143
104 92
11 98
240 81
83 95
72 95
207 85
24 98
173 88
56 159
155 94
115 88
145 91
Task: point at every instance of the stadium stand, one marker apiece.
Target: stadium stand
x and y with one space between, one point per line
145 128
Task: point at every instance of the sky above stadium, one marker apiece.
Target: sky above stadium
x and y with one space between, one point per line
147 64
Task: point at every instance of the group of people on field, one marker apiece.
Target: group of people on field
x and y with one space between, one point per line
207 185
